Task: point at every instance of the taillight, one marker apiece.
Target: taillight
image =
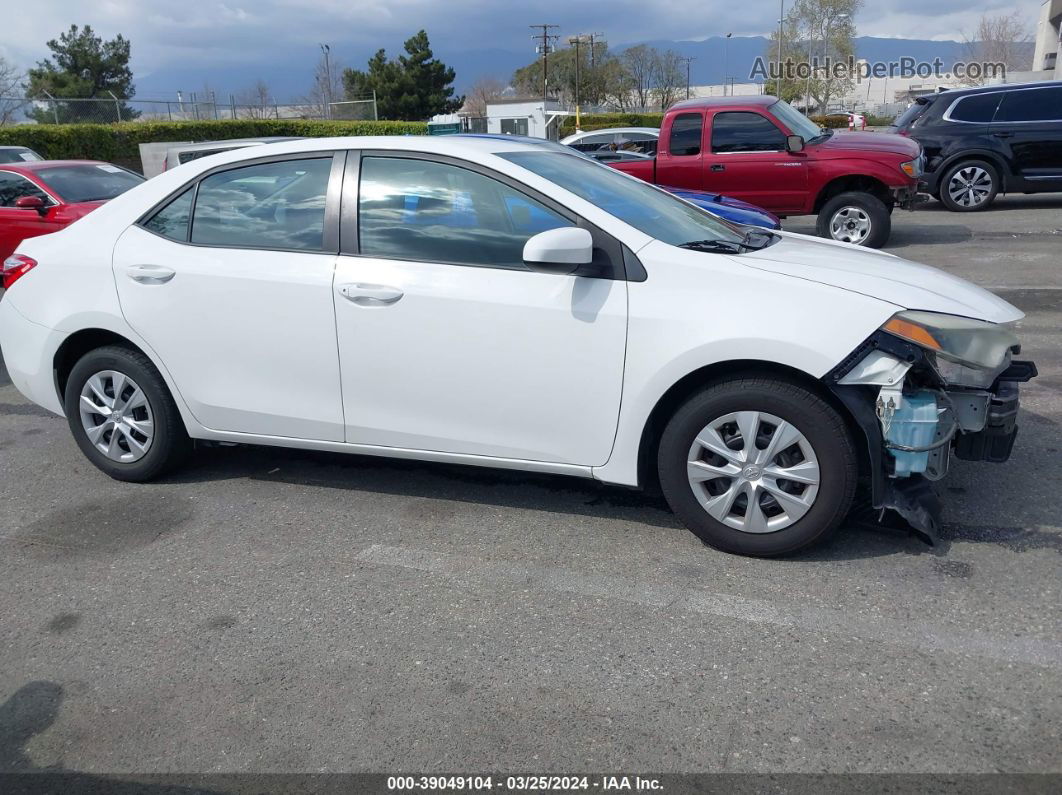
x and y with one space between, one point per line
15 267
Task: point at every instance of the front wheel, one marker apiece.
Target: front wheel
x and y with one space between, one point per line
758 466
854 217
122 415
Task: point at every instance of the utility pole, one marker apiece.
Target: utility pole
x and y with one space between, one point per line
726 58
594 37
688 59
545 46
781 20
328 80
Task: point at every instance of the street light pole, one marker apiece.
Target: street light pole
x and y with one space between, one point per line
328 80
726 58
781 19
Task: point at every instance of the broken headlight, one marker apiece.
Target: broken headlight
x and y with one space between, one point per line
963 351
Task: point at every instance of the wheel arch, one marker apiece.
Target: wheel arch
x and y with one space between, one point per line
999 163
863 183
77 345
718 372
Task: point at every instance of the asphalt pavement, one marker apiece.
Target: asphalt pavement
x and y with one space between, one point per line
274 610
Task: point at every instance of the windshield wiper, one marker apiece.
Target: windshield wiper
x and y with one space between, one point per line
717 246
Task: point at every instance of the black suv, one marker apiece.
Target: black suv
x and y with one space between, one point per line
981 141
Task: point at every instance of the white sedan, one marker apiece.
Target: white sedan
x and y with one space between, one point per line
487 301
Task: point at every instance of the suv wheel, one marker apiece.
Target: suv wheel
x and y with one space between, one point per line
758 466
122 415
854 217
969 186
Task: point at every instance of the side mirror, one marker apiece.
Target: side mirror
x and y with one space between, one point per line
794 143
31 203
559 251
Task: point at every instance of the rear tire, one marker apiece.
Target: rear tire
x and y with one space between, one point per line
123 416
855 217
728 500
972 181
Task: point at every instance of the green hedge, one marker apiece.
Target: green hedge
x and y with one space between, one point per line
598 121
118 143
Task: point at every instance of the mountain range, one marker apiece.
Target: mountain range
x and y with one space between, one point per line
288 72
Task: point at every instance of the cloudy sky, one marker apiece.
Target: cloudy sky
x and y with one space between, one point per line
214 33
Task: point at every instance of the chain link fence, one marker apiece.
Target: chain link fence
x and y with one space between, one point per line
53 110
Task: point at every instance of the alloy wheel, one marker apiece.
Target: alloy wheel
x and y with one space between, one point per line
970 187
753 471
850 225
116 416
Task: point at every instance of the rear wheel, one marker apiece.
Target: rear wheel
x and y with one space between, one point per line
122 415
758 466
969 186
855 217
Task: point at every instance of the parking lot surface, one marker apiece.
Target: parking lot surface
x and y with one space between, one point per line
272 610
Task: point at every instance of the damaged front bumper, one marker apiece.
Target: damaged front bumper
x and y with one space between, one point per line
913 420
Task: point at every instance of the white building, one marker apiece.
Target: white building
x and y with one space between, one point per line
1047 55
531 117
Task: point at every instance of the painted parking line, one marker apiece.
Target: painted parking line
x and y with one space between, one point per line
921 636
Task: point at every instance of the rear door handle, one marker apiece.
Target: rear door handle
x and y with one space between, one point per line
717 167
150 274
1003 134
370 294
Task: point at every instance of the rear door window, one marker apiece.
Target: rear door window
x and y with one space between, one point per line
978 108
278 205
685 138
1033 104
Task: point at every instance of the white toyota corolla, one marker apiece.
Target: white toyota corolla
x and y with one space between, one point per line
487 301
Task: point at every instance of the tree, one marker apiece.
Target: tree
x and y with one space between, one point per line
1003 39
483 91
668 78
641 62
256 102
814 30
11 90
327 88
414 87
83 66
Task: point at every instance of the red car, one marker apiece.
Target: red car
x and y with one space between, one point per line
762 150
37 198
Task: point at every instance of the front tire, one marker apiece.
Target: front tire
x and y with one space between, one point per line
969 186
786 491
854 217
123 416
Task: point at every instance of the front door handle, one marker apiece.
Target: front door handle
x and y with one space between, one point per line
717 167
1003 134
150 274
370 294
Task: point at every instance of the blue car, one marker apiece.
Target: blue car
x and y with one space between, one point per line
727 208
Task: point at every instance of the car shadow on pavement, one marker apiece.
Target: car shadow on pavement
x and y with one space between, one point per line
860 537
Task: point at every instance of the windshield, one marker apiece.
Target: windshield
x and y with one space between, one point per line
797 122
650 210
88 182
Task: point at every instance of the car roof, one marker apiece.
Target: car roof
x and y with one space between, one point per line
38 165
994 88
234 143
606 130
713 102
15 147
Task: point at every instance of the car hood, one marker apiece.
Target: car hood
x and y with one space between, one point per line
879 275
841 142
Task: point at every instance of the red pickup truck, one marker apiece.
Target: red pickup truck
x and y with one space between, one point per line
764 151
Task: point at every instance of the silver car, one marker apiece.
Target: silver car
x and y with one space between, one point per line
184 153
634 139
